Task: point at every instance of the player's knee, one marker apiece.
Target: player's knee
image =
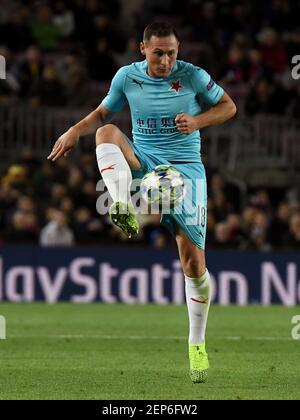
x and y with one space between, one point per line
107 134
194 266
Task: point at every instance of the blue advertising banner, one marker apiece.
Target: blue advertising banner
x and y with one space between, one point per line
136 275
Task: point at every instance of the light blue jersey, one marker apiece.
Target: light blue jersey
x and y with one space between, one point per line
155 102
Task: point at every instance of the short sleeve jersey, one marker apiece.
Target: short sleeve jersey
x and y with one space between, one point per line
155 102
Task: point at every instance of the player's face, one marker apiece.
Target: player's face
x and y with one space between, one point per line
161 55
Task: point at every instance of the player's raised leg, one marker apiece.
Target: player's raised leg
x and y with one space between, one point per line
115 158
198 294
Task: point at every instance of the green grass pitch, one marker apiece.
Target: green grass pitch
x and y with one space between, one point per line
107 352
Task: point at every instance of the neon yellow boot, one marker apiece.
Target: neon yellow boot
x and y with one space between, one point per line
123 216
198 363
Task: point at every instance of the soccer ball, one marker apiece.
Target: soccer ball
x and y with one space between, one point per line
163 187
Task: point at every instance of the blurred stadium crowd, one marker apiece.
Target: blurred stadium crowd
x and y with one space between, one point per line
55 204
64 53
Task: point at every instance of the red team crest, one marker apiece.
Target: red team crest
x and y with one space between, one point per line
176 86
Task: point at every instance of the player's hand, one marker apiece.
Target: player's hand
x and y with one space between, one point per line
64 144
186 123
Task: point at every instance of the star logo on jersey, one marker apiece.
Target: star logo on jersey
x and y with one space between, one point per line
176 86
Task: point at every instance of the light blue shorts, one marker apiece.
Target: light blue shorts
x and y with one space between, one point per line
190 215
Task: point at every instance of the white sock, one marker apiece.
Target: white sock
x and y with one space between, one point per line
115 171
198 294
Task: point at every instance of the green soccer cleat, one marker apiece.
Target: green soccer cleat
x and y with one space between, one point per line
123 216
198 363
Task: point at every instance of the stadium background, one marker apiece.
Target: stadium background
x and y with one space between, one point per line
60 57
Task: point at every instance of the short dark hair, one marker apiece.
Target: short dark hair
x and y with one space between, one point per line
159 29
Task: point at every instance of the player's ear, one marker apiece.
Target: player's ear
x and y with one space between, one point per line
142 48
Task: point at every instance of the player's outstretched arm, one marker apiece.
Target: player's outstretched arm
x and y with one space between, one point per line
70 138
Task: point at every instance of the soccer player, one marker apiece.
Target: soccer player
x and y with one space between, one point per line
165 96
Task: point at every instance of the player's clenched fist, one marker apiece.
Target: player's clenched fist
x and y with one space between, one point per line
186 123
64 144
